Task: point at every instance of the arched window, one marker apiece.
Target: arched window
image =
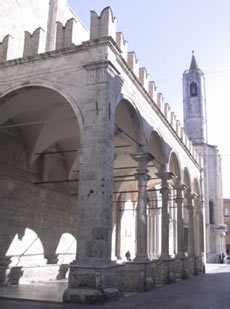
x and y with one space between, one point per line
193 89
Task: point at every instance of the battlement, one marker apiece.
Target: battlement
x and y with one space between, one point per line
68 35
101 26
7 48
34 43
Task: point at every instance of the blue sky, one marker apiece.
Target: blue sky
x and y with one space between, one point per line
163 35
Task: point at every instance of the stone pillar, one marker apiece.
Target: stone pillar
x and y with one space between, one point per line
191 236
165 265
118 229
201 237
139 274
158 231
93 277
165 177
141 214
181 257
180 222
154 254
150 234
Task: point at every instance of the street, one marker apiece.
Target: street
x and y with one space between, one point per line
210 290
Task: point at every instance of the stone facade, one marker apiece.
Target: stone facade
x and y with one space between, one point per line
227 223
90 147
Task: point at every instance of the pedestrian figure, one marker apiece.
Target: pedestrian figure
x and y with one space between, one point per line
220 259
223 257
128 256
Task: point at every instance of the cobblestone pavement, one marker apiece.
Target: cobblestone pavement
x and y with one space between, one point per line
211 290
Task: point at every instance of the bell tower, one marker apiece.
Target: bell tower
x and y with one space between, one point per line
195 122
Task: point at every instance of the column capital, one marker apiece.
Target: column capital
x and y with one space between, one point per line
141 157
181 187
180 192
191 196
142 175
165 176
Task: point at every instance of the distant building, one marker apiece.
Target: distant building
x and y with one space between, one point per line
195 125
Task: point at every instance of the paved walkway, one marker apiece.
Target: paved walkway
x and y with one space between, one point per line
211 291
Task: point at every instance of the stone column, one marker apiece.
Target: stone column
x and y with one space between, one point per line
165 177
150 234
141 214
165 273
181 257
191 236
139 274
118 229
154 256
93 277
201 254
180 222
158 230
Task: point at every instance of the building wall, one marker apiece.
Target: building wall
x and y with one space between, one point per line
227 222
49 212
18 16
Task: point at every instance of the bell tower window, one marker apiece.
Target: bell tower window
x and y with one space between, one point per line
193 89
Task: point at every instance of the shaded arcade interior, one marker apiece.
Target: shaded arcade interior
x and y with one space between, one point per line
40 175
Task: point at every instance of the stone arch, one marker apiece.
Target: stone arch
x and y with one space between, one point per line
66 95
26 249
129 139
45 107
128 118
66 249
187 179
156 147
196 187
175 166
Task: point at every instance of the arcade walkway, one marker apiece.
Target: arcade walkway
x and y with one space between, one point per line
211 291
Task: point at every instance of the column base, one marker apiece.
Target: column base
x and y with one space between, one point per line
191 264
139 276
181 267
165 271
199 264
4 271
92 285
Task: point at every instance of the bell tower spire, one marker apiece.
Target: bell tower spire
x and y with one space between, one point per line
195 122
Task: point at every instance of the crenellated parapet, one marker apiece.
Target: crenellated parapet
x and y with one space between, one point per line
133 62
153 91
167 112
103 25
173 120
123 45
144 78
34 43
7 48
160 102
69 34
